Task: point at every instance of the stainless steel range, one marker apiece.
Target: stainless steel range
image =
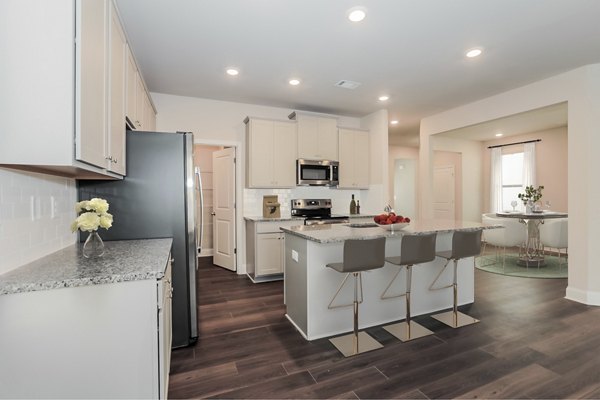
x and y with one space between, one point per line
316 212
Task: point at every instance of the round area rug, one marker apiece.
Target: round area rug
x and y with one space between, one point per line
489 263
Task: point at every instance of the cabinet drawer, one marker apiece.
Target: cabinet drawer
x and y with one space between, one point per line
273 226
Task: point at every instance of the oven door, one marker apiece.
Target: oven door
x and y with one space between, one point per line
315 173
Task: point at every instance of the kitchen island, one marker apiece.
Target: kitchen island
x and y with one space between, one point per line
73 327
309 285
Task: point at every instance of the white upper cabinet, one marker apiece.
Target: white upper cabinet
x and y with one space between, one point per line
62 109
64 81
116 77
354 159
131 84
139 110
317 137
91 75
271 153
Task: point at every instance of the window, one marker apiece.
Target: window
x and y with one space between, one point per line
512 179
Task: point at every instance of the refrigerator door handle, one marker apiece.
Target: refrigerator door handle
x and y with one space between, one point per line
201 219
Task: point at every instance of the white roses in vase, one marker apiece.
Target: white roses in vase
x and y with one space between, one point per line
93 214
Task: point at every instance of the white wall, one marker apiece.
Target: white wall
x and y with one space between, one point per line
581 89
23 238
395 193
221 123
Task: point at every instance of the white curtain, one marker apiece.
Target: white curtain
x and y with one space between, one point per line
496 180
529 164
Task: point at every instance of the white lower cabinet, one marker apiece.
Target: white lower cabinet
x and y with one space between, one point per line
99 341
265 248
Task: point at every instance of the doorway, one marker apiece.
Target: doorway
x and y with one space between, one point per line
404 186
215 167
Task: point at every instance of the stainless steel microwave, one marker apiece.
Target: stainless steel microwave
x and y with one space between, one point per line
317 173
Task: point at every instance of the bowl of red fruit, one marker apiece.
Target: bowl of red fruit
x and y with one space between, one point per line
391 221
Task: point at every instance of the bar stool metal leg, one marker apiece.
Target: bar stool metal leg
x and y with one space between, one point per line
356 342
454 318
406 330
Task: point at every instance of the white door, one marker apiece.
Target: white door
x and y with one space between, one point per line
443 192
224 208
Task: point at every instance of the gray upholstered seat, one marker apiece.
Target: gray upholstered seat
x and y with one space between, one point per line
359 256
464 244
414 249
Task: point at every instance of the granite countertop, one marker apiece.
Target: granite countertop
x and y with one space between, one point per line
290 218
124 260
339 232
264 219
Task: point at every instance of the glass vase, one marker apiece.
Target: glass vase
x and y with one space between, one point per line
93 246
529 207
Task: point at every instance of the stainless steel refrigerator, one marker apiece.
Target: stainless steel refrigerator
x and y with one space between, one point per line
156 200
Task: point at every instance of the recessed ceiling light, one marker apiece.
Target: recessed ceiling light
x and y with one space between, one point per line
499 134
473 53
394 122
232 71
357 14
384 98
294 82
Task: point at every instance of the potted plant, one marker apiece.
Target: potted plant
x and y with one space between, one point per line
530 197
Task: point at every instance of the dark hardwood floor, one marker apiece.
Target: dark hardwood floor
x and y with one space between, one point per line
531 343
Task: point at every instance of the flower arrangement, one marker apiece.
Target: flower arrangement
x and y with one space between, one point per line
92 214
531 193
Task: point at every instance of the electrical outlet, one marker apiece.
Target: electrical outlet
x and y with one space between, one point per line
295 255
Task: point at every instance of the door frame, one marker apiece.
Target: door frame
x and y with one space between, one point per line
239 218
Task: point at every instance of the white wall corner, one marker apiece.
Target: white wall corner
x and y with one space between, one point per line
589 297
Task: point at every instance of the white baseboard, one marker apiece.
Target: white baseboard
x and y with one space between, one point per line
588 297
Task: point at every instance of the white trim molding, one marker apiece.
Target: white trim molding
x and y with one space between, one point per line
588 297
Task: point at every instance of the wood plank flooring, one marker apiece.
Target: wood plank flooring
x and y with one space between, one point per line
531 343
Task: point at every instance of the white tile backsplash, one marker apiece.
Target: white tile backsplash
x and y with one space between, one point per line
36 212
340 199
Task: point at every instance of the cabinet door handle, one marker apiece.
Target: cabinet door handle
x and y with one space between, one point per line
114 160
172 260
108 158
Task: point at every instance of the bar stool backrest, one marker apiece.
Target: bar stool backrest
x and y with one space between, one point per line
417 249
363 255
466 244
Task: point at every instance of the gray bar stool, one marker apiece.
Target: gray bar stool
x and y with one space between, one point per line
464 244
359 256
414 249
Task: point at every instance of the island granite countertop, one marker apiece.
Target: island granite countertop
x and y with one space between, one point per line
123 260
335 233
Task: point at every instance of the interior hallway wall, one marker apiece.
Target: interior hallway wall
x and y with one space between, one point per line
402 153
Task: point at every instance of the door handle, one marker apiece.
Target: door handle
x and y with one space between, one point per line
213 213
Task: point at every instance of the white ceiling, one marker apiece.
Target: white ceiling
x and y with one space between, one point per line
412 50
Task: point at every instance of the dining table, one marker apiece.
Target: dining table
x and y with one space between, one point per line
532 253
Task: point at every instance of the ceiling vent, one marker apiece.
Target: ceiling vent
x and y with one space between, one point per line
347 84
